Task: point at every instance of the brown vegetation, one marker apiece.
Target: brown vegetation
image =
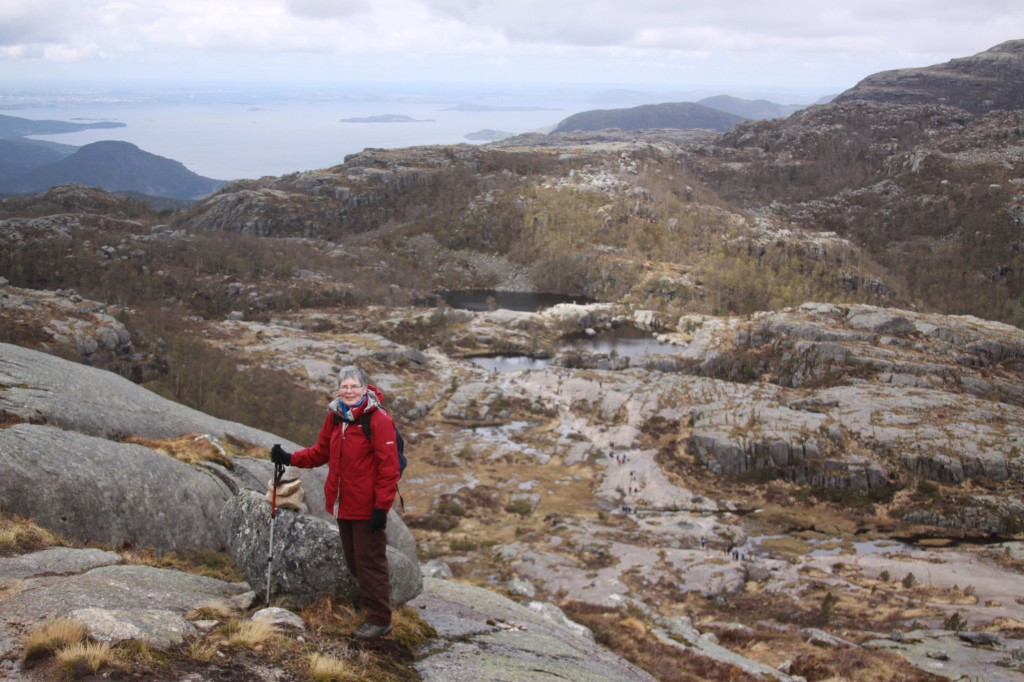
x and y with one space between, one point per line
629 636
19 536
237 648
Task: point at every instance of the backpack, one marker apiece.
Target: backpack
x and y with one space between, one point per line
399 442
364 421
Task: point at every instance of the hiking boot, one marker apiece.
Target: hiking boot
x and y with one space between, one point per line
371 631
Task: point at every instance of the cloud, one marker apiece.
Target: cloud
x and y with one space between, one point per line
327 9
594 39
34 22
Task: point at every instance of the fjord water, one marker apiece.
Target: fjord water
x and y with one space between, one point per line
229 136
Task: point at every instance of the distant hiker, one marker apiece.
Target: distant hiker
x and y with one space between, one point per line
362 481
703 542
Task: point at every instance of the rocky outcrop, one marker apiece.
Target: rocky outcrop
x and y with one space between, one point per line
90 489
981 83
98 489
64 323
811 440
373 187
41 388
491 637
114 601
898 165
478 632
912 396
307 561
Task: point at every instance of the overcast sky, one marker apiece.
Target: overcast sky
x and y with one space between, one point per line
824 44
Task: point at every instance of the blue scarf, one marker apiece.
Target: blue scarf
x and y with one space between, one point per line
344 411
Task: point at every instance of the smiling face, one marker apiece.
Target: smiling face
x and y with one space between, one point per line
351 391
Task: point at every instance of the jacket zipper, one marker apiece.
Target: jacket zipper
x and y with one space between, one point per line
337 501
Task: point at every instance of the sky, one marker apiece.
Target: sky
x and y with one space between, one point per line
822 45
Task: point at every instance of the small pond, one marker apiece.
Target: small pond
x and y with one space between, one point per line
486 299
627 341
623 342
510 363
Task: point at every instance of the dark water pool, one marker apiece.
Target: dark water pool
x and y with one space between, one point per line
486 299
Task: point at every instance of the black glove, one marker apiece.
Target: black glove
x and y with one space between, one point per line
379 519
279 456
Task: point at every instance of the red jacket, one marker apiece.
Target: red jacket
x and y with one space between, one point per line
362 473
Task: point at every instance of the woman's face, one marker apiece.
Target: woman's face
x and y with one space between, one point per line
351 391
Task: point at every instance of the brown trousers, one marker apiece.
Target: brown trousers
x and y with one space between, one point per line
366 556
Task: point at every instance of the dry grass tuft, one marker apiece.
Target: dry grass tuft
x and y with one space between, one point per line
191 448
200 562
328 616
331 669
249 634
210 612
138 653
411 630
53 635
85 657
630 638
201 651
19 535
859 666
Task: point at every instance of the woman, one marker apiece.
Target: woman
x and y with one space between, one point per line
362 479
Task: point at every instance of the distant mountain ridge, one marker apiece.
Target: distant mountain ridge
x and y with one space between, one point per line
19 156
15 126
112 165
988 81
757 109
648 116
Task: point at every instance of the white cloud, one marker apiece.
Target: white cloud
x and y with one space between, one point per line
327 9
830 41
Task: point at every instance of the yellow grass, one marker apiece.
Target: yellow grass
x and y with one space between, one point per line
410 629
51 636
83 656
202 652
330 669
326 615
18 535
199 561
209 612
137 652
250 633
191 448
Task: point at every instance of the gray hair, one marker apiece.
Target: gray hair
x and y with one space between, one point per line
353 372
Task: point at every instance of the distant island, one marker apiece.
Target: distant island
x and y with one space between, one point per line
15 126
489 107
387 118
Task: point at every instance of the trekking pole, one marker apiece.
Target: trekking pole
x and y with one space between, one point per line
278 475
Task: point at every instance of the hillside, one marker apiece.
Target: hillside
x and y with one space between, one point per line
757 109
930 191
668 115
985 82
118 167
19 156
